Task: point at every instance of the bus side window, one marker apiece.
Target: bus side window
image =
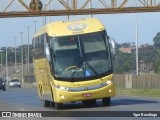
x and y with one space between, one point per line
33 46
33 43
41 45
36 42
45 39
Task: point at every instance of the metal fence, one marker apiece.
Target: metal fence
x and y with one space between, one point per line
149 81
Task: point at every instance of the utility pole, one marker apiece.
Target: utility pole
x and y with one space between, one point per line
1 65
25 58
35 27
49 9
44 18
28 51
68 5
21 33
15 37
7 64
1 59
137 65
90 7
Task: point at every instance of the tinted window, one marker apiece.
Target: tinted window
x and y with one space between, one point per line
15 80
1 80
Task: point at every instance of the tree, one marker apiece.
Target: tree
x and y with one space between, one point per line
156 44
147 55
126 44
156 41
124 62
157 66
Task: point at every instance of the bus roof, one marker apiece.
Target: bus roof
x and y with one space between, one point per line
67 28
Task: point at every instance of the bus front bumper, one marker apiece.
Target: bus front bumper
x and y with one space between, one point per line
63 96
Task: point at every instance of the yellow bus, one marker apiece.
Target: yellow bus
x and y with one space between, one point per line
72 62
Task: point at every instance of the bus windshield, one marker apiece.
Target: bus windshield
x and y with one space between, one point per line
81 56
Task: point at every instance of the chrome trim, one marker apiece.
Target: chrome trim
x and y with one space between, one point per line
113 45
86 88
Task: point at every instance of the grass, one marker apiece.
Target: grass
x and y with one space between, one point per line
154 93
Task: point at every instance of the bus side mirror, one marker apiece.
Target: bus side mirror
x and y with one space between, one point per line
47 53
112 45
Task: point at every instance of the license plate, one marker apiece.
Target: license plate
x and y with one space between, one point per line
87 95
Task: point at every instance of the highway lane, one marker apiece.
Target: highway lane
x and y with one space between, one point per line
26 99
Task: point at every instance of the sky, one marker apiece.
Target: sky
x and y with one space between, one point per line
122 27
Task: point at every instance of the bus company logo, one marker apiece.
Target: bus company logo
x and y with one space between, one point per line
6 114
20 114
77 26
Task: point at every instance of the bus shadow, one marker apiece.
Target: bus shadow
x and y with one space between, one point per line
79 105
131 102
76 105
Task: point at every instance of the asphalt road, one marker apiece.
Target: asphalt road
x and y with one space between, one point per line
26 99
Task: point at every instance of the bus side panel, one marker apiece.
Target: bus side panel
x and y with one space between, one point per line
42 79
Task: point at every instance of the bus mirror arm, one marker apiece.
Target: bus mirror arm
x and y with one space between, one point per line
47 52
112 45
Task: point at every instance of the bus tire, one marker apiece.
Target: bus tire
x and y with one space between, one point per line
46 103
40 91
106 101
4 89
52 104
58 105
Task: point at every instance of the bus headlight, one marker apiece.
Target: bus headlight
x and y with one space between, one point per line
62 88
107 82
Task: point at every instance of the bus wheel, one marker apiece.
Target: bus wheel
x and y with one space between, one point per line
4 89
40 92
89 103
106 101
46 103
58 105
52 104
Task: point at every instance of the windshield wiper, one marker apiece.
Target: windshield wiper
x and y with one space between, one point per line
73 73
